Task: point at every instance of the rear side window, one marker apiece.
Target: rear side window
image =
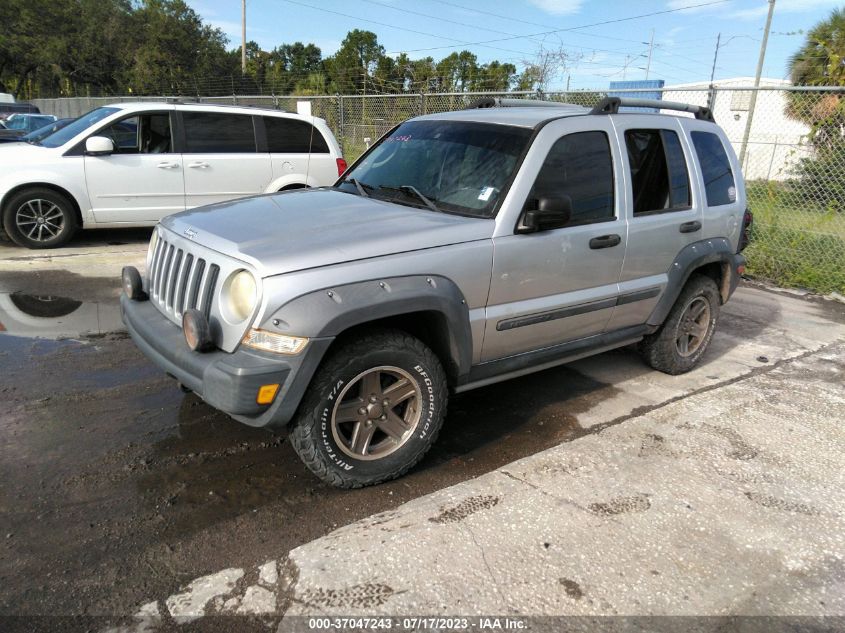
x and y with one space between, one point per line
216 132
579 166
292 136
719 184
659 175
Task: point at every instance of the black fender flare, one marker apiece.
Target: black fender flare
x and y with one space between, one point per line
329 312
689 259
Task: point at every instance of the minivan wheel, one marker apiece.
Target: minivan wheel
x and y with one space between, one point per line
39 218
373 409
683 338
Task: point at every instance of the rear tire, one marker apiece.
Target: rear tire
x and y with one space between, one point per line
39 218
373 409
685 334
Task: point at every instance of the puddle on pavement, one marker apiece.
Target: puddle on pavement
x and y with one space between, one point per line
54 317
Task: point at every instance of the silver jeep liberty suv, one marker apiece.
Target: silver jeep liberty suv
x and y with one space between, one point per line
462 249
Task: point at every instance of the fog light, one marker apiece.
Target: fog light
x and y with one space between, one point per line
196 330
266 394
132 286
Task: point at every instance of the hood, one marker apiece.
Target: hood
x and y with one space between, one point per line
23 154
284 232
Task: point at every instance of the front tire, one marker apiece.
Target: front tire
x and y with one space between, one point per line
683 338
39 218
373 410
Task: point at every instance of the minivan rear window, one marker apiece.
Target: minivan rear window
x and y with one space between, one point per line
218 133
292 136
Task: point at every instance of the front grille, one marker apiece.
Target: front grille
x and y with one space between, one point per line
179 280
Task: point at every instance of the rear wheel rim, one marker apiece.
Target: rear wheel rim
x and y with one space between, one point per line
39 220
376 413
693 327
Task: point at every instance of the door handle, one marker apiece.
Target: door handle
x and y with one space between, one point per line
691 227
198 165
168 165
605 241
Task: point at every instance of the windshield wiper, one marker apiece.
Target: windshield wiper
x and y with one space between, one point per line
360 186
419 194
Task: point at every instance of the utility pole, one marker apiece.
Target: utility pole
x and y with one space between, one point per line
650 48
753 103
713 72
243 37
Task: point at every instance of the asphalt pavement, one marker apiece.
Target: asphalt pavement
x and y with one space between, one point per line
598 488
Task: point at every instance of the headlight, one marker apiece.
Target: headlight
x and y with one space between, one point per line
272 342
240 293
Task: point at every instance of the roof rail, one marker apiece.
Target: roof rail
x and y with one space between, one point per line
499 102
611 105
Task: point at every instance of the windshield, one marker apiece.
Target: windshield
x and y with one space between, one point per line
62 136
460 167
44 132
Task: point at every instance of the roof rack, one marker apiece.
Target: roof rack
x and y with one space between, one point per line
611 105
499 102
608 105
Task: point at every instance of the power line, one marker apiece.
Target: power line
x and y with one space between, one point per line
574 28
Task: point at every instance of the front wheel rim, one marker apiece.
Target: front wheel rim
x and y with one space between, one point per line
376 413
39 220
693 327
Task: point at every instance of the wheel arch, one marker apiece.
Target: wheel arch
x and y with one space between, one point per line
45 185
714 258
431 308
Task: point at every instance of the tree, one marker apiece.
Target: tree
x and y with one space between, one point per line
351 67
547 65
821 62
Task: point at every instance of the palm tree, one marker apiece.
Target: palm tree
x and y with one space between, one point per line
820 62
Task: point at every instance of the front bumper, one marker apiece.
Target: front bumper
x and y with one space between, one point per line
228 382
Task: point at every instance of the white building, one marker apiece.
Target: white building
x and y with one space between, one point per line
776 142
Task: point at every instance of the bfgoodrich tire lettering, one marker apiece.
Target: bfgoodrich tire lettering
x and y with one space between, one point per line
330 431
39 218
683 338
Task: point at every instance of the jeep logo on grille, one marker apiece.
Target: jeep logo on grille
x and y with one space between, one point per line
190 233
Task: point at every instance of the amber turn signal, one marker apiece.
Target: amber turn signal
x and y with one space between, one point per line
266 394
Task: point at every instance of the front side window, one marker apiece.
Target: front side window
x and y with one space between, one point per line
460 167
659 175
719 185
578 167
292 136
141 134
218 133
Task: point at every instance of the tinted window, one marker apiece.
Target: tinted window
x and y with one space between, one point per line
659 177
214 132
578 166
716 170
292 136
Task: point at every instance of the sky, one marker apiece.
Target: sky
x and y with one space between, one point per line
605 39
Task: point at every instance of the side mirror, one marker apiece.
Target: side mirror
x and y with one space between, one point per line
551 213
99 146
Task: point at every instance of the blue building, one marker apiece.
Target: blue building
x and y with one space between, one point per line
645 89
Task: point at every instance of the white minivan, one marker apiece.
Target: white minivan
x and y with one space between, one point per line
131 164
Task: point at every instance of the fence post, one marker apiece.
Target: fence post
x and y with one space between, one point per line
342 127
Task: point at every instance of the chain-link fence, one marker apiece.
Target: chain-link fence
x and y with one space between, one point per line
792 151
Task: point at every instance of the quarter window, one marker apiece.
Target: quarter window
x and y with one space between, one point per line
292 136
218 133
579 166
719 184
659 175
